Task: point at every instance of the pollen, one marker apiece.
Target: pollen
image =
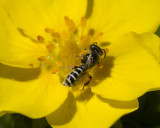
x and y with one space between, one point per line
54 70
70 24
49 30
50 46
83 22
55 34
42 58
40 39
66 47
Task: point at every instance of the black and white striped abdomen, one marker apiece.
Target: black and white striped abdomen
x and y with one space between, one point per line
73 76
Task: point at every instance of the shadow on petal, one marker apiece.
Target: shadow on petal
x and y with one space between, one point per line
85 96
120 104
105 72
19 74
89 8
64 113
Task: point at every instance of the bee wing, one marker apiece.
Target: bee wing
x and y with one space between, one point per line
86 75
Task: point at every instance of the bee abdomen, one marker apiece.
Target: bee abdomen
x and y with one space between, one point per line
73 76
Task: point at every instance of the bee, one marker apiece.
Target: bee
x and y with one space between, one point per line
89 60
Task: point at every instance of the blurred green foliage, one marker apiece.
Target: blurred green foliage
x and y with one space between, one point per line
20 121
147 116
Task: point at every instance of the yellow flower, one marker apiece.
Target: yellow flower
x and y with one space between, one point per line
40 41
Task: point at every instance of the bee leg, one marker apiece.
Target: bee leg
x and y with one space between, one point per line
95 43
74 67
104 52
100 65
90 78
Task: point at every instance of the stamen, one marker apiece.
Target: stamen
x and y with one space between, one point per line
67 20
65 45
100 66
65 35
40 39
50 46
97 35
31 65
106 50
56 34
84 52
42 58
48 30
54 70
70 24
83 22
85 40
59 63
64 55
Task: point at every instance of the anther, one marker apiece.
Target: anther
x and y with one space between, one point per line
54 70
50 46
85 40
42 58
83 22
70 24
97 35
59 63
64 55
100 66
67 20
40 39
56 34
31 65
65 35
48 30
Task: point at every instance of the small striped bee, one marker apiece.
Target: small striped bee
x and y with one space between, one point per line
88 61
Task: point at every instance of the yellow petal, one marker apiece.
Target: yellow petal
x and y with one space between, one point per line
15 48
114 17
129 70
96 112
152 43
29 92
35 15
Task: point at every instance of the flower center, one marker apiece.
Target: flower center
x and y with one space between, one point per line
66 48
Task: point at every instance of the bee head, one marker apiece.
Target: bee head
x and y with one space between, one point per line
96 49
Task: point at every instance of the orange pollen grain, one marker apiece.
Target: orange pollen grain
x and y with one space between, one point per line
65 35
59 63
40 39
54 70
84 52
42 58
106 50
67 20
56 34
70 24
97 35
48 30
85 40
100 66
83 22
64 55
31 65
50 46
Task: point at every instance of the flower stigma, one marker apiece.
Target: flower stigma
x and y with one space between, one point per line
65 50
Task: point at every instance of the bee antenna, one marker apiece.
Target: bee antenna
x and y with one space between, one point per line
104 52
95 43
